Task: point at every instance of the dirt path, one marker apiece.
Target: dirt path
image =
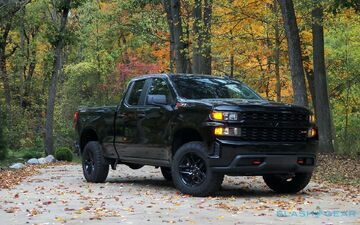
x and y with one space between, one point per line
59 195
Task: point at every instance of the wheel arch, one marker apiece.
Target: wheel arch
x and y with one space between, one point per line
184 135
87 135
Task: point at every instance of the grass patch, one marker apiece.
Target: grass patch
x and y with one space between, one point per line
32 154
76 159
12 157
23 155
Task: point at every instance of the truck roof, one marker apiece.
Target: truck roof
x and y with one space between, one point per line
175 74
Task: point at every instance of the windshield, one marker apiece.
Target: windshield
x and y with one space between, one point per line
202 87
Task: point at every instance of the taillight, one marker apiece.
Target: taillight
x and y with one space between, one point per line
76 117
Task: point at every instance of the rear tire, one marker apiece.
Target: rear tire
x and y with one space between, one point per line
191 172
286 184
95 167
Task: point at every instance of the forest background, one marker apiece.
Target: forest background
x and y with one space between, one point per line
58 55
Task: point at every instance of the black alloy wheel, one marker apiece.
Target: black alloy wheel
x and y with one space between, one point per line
89 164
192 170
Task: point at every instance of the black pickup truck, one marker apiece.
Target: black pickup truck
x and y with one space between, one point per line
197 129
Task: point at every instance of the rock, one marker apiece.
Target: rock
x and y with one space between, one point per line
42 160
17 166
33 161
50 159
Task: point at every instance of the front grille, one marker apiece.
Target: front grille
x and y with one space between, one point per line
273 134
274 126
276 116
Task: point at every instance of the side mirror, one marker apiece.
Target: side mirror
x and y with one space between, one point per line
156 100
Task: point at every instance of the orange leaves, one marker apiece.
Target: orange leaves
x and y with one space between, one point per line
33 212
306 35
12 209
162 55
107 6
9 178
227 207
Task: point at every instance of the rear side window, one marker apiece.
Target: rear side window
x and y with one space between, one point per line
135 94
159 86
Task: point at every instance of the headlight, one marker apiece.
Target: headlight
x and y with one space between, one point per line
311 132
227 116
312 119
227 131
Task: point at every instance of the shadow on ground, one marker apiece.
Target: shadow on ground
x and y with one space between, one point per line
225 191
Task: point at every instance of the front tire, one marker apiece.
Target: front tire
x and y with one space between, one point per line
191 172
166 172
287 184
95 167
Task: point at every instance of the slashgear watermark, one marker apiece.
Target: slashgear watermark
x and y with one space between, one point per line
316 213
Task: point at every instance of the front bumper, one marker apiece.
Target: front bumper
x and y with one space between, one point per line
260 158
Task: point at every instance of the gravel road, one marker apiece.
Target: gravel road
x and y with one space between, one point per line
59 195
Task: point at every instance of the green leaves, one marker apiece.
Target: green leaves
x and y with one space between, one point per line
340 4
3 147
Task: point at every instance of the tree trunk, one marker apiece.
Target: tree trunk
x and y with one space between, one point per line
180 46
3 143
269 62
169 18
277 51
347 114
24 58
49 123
186 47
311 84
231 65
206 38
29 76
294 52
3 71
322 105
197 42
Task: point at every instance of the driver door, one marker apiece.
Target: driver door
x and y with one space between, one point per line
156 123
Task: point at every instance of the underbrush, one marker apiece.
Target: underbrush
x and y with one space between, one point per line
339 169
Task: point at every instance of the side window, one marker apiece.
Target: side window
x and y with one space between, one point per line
135 93
159 86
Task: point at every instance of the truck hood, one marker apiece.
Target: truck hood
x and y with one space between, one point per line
250 105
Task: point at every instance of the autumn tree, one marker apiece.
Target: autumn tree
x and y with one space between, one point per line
7 17
60 17
202 15
322 104
178 46
4 55
294 51
276 25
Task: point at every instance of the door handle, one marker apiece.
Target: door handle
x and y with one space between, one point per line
121 115
141 115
